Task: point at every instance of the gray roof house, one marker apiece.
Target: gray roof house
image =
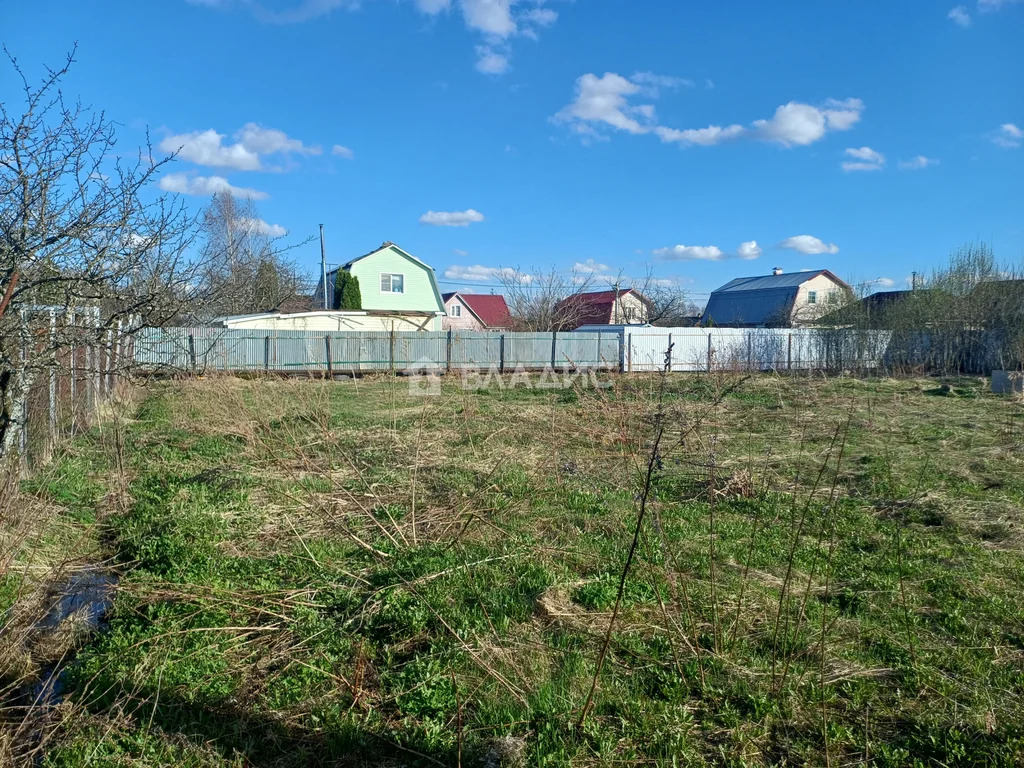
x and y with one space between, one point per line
776 300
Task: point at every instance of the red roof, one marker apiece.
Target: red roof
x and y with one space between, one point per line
594 308
490 308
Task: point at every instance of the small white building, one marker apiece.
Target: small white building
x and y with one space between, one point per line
331 321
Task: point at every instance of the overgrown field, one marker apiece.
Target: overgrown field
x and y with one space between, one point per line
828 572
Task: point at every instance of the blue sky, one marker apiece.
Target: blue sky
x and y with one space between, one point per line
704 141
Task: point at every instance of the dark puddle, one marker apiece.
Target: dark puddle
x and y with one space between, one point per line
84 598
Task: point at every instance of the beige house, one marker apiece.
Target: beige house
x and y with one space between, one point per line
778 300
616 307
475 312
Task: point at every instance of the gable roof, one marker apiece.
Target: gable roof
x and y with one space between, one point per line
386 244
759 300
594 307
772 282
489 308
601 297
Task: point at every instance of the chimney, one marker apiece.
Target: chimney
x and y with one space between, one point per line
776 270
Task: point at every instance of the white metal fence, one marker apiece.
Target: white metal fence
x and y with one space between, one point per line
693 349
208 349
758 349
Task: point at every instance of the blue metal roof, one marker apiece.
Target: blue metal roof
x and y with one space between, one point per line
768 282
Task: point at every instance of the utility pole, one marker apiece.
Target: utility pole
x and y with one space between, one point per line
913 281
323 264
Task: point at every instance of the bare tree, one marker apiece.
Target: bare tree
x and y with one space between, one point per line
80 231
245 267
666 301
543 301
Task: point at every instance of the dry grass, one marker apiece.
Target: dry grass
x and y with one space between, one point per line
313 566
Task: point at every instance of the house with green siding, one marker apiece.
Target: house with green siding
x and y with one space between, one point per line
394 282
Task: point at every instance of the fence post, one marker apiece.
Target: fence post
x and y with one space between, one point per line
266 353
391 353
789 353
448 353
97 347
554 341
330 361
110 362
192 351
709 351
597 359
668 353
501 353
628 351
23 432
69 325
53 382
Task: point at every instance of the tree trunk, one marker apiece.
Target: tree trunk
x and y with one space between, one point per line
14 386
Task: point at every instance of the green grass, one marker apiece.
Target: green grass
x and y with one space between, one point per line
318 573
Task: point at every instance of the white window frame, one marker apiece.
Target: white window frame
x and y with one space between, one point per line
455 310
812 297
392 276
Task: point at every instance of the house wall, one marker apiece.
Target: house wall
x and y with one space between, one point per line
630 310
829 296
421 294
333 321
467 321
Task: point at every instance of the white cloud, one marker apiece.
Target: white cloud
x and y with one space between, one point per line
492 17
603 100
705 137
304 10
590 266
1008 136
451 218
654 83
865 159
885 282
797 124
542 17
432 7
808 245
251 141
690 253
490 62
709 84
987 6
749 250
959 15
460 252
480 273
917 163
260 227
340 151
207 148
867 154
608 101
270 141
494 20
205 186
